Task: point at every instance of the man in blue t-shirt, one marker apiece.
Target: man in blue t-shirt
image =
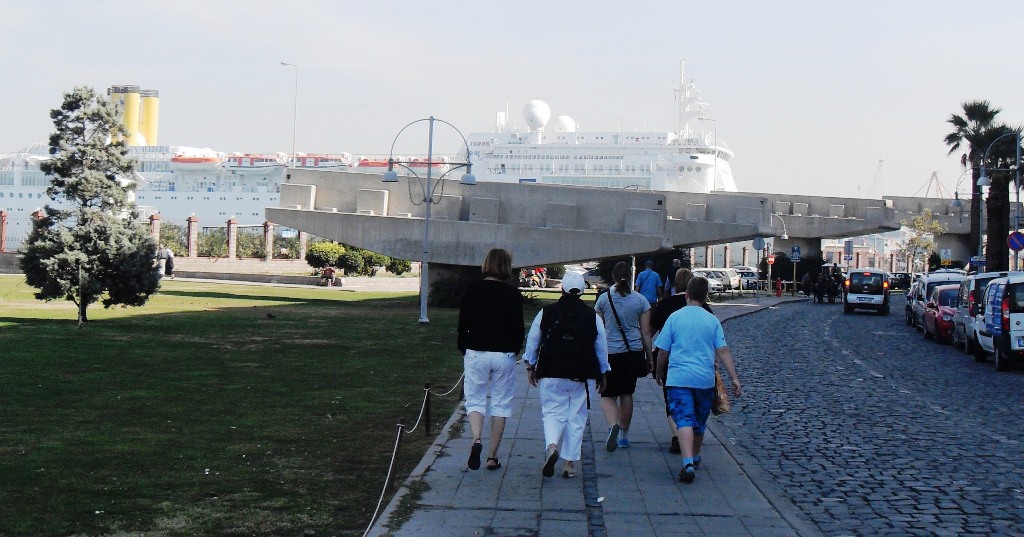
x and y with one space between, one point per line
689 343
648 282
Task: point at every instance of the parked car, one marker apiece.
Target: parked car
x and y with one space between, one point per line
938 312
715 284
911 296
730 277
593 279
924 289
969 301
1002 331
866 289
901 280
748 279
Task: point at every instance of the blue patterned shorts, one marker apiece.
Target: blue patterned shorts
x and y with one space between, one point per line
690 407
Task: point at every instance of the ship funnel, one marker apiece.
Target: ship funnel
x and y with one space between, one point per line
139 113
149 120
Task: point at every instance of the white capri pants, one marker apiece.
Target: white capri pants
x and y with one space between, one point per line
563 406
489 372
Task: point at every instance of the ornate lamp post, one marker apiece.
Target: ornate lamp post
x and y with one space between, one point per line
295 107
427 188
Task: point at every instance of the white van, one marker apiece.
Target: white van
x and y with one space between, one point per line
924 290
728 275
1001 325
868 289
968 305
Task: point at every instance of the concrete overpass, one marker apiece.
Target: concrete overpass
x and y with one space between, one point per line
547 224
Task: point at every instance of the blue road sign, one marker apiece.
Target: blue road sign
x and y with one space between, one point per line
795 253
758 243
1015 241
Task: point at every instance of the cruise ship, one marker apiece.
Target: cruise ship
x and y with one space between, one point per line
689 159
177 182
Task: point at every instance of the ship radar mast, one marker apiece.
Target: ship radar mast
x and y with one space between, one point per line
688 104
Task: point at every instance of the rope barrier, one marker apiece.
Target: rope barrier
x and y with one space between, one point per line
445 394
424 411
387 480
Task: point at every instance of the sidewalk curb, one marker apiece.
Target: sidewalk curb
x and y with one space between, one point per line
380 527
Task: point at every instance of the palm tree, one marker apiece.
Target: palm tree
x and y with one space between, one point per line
971 128
1000 144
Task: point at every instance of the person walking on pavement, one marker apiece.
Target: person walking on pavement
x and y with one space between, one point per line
670 287
169 266
490 335
626 316
659 315
688 347
648 282
566 352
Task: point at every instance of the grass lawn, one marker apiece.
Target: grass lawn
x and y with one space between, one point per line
216 409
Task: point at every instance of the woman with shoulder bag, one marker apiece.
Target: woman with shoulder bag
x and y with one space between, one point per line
626 315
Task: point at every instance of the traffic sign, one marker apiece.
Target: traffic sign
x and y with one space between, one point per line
794 253
848 257
771 260
978 261
1015 241
758 243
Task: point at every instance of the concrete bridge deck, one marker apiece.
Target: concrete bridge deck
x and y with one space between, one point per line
546 224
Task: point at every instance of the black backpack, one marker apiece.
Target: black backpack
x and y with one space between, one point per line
568 333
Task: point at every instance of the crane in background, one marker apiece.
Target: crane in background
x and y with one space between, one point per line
875 186
940 191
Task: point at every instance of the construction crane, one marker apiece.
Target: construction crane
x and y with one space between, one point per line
940 191
875 185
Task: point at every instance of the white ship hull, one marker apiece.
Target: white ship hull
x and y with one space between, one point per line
689 159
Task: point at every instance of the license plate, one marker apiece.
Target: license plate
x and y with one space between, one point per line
1020 342
863 299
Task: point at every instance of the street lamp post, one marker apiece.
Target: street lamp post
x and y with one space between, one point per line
984 181
295 107
391 176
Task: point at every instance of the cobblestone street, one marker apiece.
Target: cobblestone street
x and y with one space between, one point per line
872 430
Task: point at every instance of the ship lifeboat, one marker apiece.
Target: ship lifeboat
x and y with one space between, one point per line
373 163
252 163
197 163
324 161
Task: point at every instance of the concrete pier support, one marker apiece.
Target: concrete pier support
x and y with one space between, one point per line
232 238
268 240
709 256
726 259
3 231
154 227
192 234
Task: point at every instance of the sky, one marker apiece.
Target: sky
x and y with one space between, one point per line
813 97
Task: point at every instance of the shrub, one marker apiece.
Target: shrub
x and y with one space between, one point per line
398 266
351 261
321 254
372 262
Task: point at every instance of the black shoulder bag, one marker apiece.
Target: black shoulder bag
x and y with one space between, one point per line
636 359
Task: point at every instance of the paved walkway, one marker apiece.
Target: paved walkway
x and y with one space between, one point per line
632 492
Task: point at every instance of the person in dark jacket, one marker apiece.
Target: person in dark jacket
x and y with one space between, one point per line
490 336
566 382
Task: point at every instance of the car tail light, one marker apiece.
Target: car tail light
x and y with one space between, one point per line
846 282
1006 314
885 285
972 308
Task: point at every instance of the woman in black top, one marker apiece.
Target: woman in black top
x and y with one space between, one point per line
490 336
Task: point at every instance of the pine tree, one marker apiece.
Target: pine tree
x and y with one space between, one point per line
86 247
